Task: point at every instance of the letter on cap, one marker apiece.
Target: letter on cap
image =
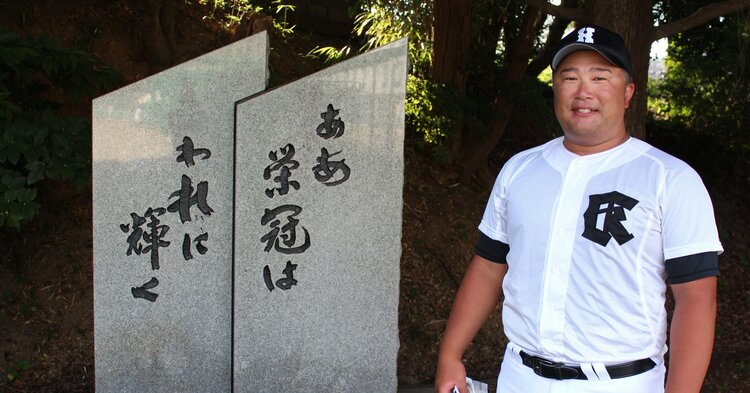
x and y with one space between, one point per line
586 35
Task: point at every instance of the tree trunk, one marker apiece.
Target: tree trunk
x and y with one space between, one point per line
554 35
475 159
451 36
634 22
161 46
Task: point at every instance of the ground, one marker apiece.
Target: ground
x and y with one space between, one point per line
46 330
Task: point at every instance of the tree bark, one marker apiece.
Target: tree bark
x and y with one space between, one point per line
160 42
451 33
699 17
634 22
475 161
554 35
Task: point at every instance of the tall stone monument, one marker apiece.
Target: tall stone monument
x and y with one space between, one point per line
319 176
163 188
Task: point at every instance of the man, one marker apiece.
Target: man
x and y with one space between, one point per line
579 235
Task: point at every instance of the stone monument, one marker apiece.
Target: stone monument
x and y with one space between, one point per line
162 189
319 178
250 241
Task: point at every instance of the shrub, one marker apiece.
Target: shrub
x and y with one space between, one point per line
39 138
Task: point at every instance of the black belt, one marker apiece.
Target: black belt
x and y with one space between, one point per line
549 369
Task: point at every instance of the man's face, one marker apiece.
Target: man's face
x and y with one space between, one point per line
591 96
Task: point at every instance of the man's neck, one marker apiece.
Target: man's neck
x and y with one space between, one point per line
586 149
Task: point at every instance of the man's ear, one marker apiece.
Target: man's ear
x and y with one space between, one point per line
629 91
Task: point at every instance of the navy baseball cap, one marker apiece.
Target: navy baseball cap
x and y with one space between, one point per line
593 37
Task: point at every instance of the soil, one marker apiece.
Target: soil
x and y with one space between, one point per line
46 274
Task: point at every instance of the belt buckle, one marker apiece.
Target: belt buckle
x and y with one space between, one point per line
539 363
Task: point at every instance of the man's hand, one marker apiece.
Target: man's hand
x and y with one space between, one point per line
476 299
450 373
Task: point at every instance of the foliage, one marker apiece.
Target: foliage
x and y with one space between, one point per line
706 92
422 95
430 107
546 77
495 32
233 11
534 102
379 22
707 87
331 54
283 10
382 22
39 139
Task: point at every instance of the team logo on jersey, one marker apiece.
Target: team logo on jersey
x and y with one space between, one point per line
604 216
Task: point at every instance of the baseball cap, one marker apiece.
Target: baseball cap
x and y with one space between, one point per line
607 43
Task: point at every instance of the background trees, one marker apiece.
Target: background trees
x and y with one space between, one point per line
476 67
486 56
699 112
700 107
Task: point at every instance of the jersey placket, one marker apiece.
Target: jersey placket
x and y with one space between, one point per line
559 257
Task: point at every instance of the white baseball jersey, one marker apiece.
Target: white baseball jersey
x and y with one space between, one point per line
588 237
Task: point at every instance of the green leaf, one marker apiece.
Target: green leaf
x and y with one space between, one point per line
18 181
7 109
14 58
13 220
12 154
36 130
40 136
29 210
27 195
36 172
7 178
11 195
9 134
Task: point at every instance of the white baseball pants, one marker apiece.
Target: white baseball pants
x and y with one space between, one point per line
515 377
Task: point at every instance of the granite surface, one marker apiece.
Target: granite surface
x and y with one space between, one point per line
319 176
162 211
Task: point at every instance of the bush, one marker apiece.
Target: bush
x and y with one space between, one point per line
39 82
700 107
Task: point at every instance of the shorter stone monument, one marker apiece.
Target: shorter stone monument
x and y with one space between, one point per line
319 179
162 198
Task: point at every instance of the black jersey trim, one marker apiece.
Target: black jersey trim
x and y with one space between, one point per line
692 267
491 249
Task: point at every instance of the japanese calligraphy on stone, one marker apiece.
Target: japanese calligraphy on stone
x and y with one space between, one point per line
149 233
284 233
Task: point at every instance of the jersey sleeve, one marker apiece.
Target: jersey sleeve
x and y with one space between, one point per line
491 250
688 224
494 219
692 267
